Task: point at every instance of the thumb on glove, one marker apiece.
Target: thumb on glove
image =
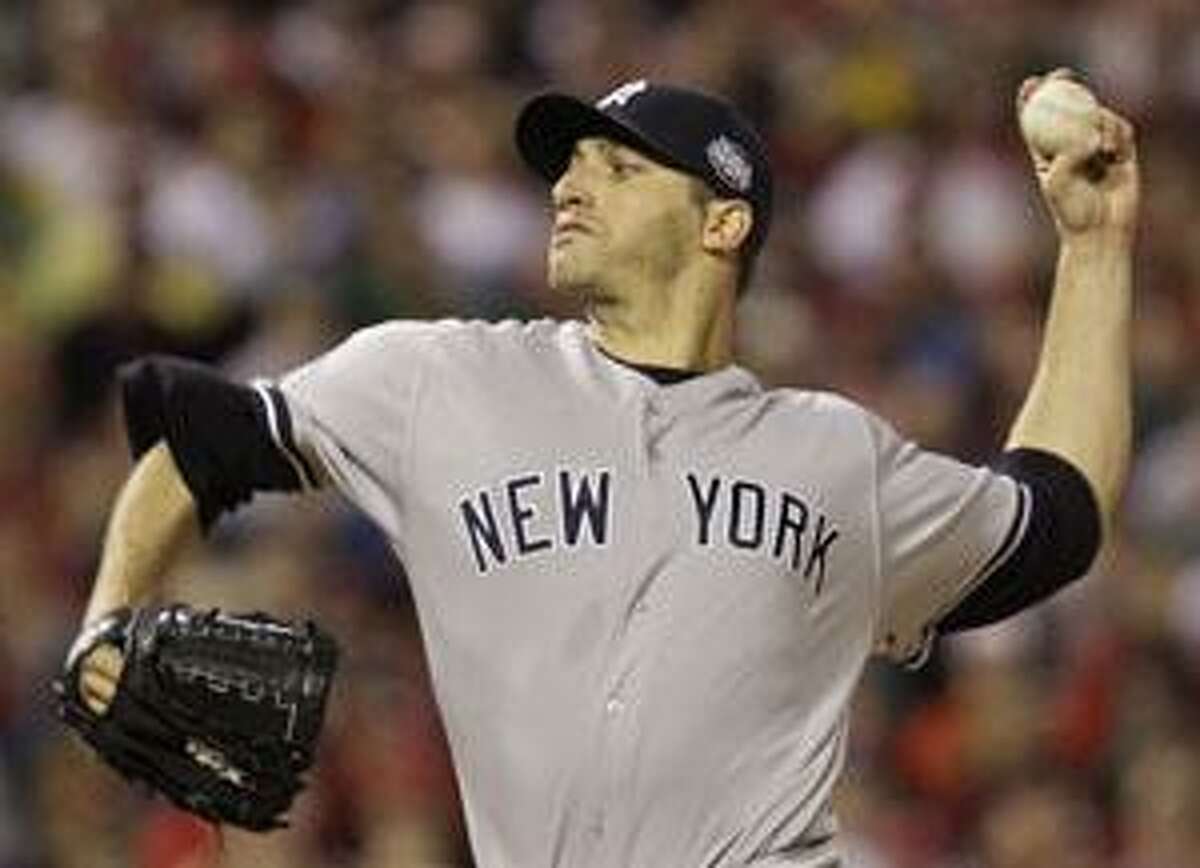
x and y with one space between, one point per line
99 674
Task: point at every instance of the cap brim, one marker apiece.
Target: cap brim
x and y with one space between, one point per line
549 126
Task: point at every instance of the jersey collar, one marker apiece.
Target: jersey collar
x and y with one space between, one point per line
690 389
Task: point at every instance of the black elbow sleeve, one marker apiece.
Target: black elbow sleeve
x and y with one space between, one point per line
228 440
1061 540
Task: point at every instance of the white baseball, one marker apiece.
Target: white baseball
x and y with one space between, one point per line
1061 115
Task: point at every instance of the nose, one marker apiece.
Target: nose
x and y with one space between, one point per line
569 190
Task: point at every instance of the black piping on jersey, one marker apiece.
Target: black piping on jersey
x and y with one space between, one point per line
1053 541
1017 529
1015 534
279 422
228 440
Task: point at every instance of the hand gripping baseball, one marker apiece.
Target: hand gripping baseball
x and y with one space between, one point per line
1084 155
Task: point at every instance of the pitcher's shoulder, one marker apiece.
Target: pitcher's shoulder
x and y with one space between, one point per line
467 331
513 336
483 341
828 411
819 403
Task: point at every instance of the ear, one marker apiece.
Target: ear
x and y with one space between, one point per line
727 224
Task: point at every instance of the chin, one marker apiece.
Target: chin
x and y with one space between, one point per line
573 273
564 274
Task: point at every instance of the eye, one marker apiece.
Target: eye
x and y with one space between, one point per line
622 167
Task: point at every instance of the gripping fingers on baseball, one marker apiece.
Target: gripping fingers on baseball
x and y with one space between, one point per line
99 675
1116 137
1116 146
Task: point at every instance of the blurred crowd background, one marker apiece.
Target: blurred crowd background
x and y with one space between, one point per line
246 182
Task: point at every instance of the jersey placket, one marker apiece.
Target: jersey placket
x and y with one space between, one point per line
619 726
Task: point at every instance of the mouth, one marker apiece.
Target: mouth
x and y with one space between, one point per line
565 227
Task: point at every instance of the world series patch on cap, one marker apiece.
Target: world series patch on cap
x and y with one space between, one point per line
686 129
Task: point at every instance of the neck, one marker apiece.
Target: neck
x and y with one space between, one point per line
670 334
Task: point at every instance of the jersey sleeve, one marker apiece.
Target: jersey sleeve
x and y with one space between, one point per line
1064 535
351 410
223 435
944 526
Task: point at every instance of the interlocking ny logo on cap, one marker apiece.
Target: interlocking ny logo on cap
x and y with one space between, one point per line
623 94
730 162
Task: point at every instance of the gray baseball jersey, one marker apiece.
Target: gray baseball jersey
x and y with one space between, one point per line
645 607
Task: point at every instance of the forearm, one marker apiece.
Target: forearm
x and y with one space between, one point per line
152 522
1079 404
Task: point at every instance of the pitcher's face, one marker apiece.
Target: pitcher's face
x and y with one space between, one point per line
621 221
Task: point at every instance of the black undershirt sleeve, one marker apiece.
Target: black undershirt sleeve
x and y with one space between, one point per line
229 440
1062 536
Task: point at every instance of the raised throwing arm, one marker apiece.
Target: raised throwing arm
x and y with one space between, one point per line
1079 404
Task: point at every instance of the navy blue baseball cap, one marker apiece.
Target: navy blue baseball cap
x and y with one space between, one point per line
686 129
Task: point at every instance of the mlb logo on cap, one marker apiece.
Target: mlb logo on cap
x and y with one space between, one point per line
730 163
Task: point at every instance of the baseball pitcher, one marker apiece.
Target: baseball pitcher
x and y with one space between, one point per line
648 585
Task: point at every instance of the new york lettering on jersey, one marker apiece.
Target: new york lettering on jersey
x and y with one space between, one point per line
506 522
751 515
